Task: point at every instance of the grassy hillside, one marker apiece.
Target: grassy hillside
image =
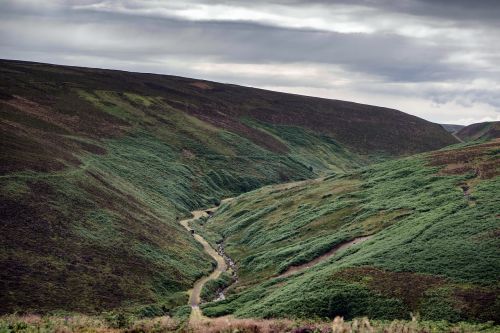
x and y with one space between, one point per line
434 224
480 131
97 165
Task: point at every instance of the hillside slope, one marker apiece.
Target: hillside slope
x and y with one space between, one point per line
427 231
452 128
480 131
98 165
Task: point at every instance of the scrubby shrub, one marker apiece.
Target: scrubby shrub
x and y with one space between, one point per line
182 312
213 287
117 319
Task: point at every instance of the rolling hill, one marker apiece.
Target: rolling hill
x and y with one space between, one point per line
414 235
98 166
480 131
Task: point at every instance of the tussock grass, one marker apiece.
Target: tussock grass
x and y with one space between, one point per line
80 324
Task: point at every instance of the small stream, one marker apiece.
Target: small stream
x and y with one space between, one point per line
221 294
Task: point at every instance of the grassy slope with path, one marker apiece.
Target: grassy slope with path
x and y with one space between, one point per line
221 266
97 165
337 248
434 251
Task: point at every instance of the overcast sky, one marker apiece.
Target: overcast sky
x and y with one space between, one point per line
437 59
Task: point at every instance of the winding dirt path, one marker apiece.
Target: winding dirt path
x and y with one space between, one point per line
194 297
195 293
295 269
457 137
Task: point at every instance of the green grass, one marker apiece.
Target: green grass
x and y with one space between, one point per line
426 233
212 287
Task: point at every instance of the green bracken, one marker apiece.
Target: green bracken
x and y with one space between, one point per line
426 232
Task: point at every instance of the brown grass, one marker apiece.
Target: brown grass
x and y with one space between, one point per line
81 324
241 325
479 159
202 85
393 284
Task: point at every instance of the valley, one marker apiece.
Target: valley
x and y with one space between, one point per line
242 227
334 209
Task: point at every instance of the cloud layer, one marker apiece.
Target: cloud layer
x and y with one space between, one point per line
435 59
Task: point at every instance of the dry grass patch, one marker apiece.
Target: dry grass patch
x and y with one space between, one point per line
382 220
480 159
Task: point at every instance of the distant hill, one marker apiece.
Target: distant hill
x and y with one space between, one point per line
98 165
452 128
486 130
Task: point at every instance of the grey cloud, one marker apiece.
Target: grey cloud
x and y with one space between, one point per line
467 97
476 10
390 56
457 10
